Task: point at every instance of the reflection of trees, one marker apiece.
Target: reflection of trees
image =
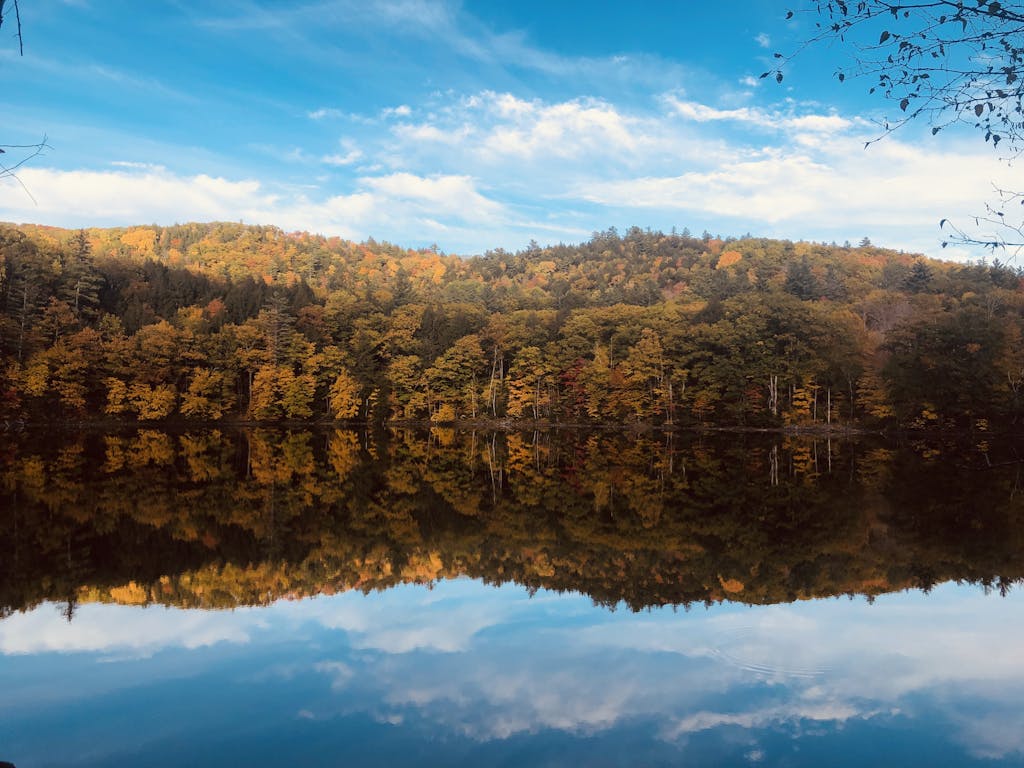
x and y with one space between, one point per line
217 520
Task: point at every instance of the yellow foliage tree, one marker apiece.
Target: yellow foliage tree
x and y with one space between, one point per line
117 397
152 402
344 397
204 398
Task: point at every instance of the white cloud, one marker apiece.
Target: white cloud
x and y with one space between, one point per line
566 129
324 113
456 196
702 113
138 166
821 186
428 132
350 157
130 196
763 40
350 154
822 123
772 119
402 110
401 206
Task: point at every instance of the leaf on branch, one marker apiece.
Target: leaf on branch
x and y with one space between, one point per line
885 36
789 14
764 75
778 77
904 104
978 109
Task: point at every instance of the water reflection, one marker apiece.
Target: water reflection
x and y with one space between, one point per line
467 672
415 599
220 520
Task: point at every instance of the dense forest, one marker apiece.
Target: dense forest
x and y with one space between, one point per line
209 322
220 519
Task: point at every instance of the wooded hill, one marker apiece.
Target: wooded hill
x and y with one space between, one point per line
215 321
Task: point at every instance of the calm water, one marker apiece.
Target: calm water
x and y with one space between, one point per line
297 598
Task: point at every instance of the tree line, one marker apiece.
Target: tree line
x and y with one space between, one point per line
218 321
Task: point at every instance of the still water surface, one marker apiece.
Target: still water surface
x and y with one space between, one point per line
276 598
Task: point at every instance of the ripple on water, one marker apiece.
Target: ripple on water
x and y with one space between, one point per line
783 654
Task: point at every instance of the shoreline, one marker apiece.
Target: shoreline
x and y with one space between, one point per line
16 426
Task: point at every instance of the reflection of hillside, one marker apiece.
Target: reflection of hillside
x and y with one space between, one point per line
213 520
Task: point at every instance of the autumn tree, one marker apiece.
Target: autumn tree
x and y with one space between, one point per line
344 396
407 390
946 364
456 377
208 395
647 376
26 279
528 384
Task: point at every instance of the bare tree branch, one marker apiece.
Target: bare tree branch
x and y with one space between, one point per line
941 61
30 151
17 18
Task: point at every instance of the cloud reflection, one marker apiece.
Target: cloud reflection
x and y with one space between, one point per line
122 628
490 663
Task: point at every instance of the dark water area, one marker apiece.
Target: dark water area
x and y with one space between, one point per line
438 597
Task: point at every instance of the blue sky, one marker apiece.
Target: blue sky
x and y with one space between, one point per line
471 125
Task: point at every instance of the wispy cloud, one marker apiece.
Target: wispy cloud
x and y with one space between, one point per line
760 117
350 157
98 75
350 154
324 113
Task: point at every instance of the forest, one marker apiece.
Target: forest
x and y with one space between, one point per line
227 322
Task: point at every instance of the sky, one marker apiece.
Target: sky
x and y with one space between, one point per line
468 125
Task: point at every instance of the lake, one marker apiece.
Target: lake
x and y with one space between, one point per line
262 597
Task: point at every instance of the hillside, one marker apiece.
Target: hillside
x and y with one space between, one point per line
213 321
